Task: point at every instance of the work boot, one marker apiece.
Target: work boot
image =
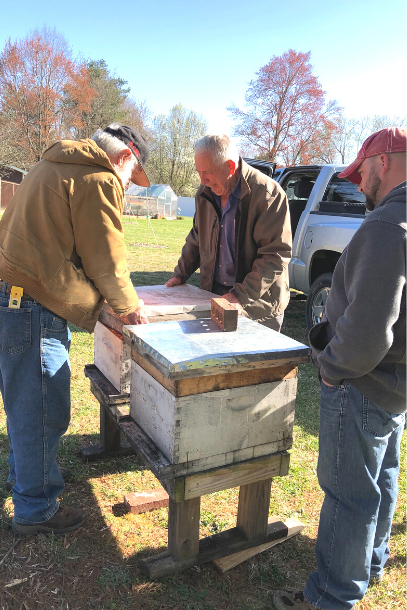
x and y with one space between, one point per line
65 520
66 475
289 600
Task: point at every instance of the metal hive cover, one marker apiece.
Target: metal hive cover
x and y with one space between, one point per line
180 348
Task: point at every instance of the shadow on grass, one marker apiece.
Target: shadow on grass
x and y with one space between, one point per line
93 568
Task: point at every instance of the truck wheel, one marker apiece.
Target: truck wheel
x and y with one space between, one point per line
316 299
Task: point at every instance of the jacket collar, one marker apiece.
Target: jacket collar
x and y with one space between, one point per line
246 170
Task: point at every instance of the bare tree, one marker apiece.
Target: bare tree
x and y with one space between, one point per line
349 134
172 158
138 115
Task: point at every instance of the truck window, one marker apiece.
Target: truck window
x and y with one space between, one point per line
298 187
339 189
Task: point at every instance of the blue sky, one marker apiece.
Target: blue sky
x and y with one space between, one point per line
203 54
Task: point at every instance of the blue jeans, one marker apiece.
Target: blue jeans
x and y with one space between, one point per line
358 465
35 385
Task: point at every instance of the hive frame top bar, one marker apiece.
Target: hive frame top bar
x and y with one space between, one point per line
194 347
160 300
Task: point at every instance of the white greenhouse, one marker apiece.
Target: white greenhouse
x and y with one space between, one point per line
157 200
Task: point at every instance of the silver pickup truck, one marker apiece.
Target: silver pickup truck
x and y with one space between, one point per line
325 213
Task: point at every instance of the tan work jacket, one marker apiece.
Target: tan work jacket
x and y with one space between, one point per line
61 237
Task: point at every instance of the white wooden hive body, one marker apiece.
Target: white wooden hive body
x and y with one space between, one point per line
214 428
113 357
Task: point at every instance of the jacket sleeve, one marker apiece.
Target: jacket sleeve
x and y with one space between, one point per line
99 241
189 260
374 280
272 234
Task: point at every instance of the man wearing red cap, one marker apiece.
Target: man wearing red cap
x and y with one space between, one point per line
359 349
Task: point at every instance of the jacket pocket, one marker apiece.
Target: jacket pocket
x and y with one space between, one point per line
15 330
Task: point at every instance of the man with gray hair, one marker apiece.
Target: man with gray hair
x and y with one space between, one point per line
62 252
241 235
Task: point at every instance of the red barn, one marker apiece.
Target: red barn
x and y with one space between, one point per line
10 178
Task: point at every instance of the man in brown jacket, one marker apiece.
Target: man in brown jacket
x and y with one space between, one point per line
241 235
62 252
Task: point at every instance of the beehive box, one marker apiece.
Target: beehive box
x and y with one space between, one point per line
246 413
113 357
214 428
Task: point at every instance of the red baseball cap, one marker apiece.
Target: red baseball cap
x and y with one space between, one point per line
385 141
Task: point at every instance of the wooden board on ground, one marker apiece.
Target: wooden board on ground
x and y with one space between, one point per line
226 563
210 548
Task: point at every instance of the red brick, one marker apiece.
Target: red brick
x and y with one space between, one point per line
224 314
143 501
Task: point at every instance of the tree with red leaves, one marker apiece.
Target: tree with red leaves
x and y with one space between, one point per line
43 95
286 118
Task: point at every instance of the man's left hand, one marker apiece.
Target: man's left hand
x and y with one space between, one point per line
234 301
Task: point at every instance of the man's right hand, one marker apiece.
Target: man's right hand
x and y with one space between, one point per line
138 316
173 281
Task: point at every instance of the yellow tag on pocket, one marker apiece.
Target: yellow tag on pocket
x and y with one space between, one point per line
15 297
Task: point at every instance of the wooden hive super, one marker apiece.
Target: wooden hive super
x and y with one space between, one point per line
209 399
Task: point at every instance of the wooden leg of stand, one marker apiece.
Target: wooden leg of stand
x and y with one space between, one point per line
183 528
253 508
109 432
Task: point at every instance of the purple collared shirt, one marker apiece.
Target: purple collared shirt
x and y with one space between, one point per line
225 269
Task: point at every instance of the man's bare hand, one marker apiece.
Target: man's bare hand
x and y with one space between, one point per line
138 316
234 301
173 281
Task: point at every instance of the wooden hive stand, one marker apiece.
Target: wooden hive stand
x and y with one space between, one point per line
114 406
185 549
208 411
250 469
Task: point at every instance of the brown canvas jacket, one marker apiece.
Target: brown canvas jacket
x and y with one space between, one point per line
61 237
263 244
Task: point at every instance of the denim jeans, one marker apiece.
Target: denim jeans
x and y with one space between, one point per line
35 385
358 465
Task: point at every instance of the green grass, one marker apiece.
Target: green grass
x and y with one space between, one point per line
99 566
